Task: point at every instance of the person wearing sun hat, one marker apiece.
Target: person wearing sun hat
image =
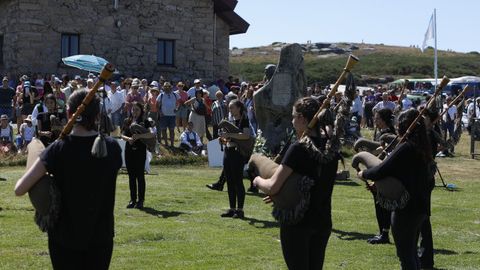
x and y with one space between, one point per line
182 112
151 107
197 85
26 134
6 135
167 103
133 96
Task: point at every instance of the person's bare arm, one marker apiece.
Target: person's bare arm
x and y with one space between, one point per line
272 185
30 178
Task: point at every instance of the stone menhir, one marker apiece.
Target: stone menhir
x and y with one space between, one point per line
274 101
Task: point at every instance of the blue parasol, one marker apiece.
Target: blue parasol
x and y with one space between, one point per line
89 63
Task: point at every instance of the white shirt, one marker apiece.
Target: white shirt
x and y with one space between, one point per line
190 135
470 110
116 100
191 91
35 113
357 106
384 104
212 90
406 104
452 111
6 132
28 132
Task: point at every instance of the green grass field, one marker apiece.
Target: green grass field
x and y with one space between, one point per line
181 228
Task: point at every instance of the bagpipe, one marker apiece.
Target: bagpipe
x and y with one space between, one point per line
292 200
391 193
44 195
150 142
245 147
371 146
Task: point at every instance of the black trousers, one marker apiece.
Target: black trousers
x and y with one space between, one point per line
383 216
233 163
215 131
303 246
426 244
95 258
405 230
135 162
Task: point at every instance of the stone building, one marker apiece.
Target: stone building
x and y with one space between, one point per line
181 39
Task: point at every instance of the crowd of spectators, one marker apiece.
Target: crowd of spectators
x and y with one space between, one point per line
35 106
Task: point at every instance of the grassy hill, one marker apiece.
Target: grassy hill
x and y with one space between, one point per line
378 63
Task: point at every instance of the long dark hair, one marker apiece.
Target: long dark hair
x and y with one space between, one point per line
51 97
308 107
140 117
89 116
243 110
387 116
418 137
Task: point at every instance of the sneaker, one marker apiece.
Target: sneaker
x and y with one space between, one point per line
229 213
215 186
131 204
379 239
239 214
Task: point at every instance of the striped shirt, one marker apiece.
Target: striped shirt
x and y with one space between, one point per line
219 111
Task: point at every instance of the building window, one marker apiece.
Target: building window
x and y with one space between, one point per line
1 49
166 52
70 44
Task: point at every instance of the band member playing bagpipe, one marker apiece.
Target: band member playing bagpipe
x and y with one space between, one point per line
82 235
383 120
304 241
136 153
410 163
384 126
234 161
49 120
425 251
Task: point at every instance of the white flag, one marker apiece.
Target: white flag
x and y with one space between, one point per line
430 34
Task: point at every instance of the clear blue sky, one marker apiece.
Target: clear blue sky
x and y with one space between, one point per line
400 22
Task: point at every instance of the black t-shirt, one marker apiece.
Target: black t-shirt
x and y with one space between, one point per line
46 125
87 188
301 161
6 97
138 144
406 164
241 123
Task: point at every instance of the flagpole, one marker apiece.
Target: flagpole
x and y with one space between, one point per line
435 57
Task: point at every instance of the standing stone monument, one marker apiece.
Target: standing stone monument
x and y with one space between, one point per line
274 101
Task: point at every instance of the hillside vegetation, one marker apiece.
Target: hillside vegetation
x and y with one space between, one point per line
378 63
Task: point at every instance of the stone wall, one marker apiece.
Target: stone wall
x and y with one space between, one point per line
126 36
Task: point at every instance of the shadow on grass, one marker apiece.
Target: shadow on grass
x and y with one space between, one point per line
265 224
444 252
162 214
349 236
256 194
346 183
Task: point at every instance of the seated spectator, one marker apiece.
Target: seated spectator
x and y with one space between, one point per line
190 141
27 132
6 136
